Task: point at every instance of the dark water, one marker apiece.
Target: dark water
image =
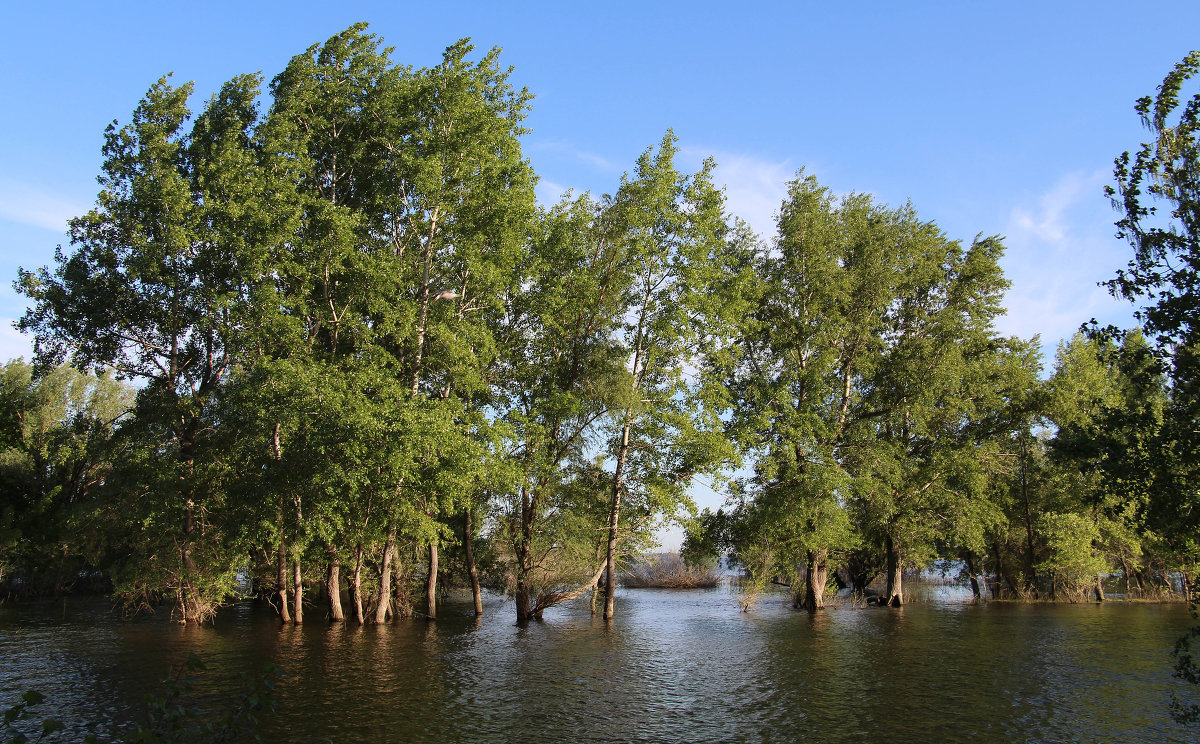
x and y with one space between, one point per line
674 667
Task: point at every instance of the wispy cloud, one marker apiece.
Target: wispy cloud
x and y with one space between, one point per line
1048 220
12 343
591 159
1060 246
754 187
35 207
549 193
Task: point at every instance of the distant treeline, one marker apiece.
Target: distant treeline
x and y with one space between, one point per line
342 353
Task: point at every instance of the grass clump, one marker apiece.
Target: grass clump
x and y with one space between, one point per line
669 571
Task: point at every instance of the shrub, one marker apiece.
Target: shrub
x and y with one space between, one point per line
668 571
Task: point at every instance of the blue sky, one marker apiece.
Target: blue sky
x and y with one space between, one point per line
993 118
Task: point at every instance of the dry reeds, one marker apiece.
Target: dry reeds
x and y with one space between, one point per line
668 571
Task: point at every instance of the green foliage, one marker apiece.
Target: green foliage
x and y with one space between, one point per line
57 449
173 717
705 539
1187 669
1156 193
1163 172
1157 449
20 712
868 384
1071 559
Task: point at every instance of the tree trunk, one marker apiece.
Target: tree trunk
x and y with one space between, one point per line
1099 588
522 593
814 585
297 592
285 614
895 575
472 572
385 580
281 553
610 570
968 559
1029 551
401 602
521 596
1003 574
333 587
298 579
356 585
189 593
431 582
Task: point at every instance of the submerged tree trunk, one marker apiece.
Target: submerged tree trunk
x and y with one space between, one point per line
333 587
522 599
614 514
814 585
356 585
297 592
385 580
522 595
281 551
285 614
431 582
472 572
895 575
969 560
401 602
189 594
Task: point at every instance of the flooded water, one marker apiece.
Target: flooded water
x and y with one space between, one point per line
674 667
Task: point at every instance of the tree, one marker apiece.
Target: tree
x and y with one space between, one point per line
560 373
813 333
867 382
157 286
679 253
1107 401
414 201
935 392
1157 195
56 451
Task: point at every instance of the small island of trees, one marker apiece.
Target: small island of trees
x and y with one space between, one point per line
324 345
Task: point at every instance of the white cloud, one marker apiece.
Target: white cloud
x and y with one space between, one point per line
1060 246
1049 220
591 159
35 207
13 344
754 187
549 193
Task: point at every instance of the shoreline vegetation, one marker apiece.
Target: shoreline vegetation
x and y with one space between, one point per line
669 571
317 342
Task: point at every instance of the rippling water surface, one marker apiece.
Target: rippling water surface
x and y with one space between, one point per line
673 667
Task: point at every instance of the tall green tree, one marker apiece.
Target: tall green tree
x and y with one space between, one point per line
155 288
933 391
414 202
1157 195
679 253
56 451
823 291
561 373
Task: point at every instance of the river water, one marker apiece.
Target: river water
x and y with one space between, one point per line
675 666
